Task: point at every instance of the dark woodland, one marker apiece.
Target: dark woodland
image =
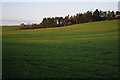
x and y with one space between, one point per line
79 18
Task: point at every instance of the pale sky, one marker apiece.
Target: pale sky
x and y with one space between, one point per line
59 0
13 13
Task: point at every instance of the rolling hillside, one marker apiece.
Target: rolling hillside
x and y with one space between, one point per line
88 50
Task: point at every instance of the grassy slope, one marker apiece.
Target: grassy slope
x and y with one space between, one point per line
83 50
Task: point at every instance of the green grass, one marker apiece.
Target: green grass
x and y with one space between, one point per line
87 50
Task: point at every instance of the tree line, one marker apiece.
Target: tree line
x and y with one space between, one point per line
79 18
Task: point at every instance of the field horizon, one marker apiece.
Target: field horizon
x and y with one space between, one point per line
88 50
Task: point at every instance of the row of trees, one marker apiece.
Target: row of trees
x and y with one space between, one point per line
89 16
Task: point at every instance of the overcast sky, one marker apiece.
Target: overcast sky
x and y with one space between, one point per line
13 13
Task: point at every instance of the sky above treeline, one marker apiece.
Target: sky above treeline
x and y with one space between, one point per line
14 13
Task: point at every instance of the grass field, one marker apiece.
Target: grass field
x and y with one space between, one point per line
88 50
